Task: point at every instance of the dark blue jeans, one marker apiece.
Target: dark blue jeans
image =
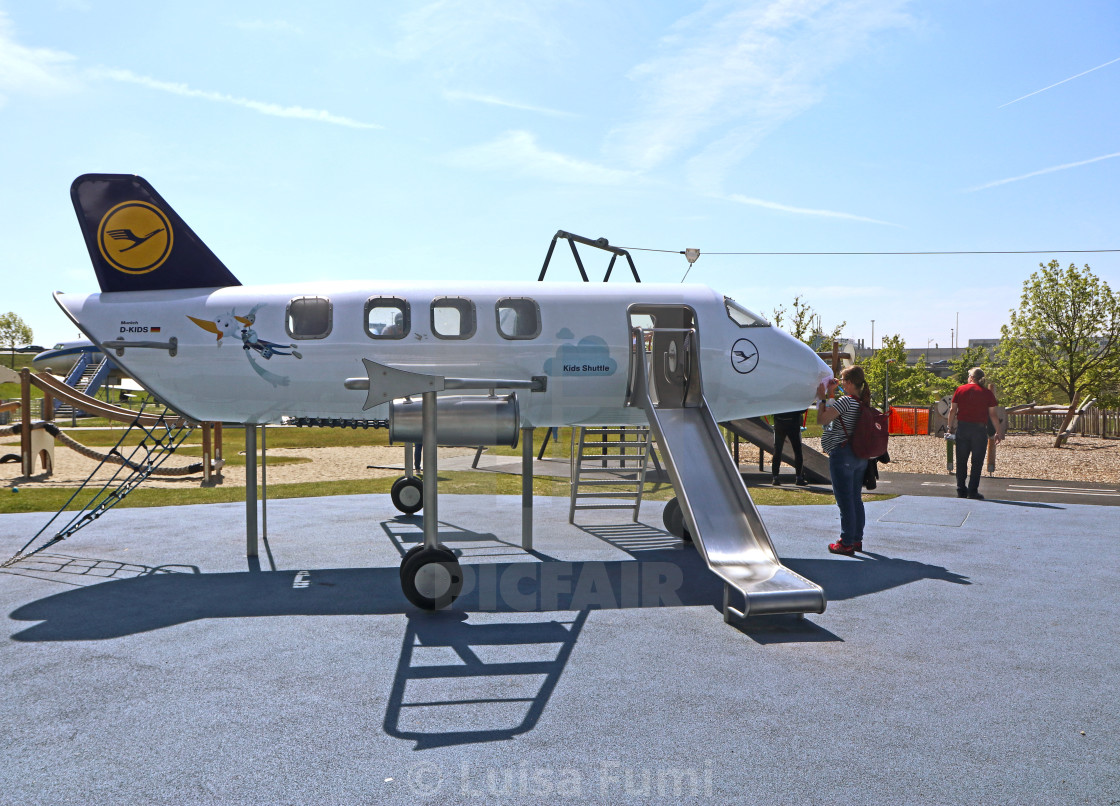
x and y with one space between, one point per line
847 486
972 440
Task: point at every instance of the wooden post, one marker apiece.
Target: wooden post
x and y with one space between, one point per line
206 453
26 458
48 407
835 357
218 443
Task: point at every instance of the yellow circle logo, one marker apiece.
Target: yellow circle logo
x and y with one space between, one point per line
135 237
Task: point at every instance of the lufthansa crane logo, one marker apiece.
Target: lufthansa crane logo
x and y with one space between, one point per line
744 356
135 237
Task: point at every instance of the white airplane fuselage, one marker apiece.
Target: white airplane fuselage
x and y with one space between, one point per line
240 356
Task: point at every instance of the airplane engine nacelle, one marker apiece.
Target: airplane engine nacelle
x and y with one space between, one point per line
460 420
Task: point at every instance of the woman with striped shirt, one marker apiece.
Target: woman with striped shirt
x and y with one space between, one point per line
839 417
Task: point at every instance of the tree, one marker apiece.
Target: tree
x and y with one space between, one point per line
978 356
805 325
13 331
1064 339
889 376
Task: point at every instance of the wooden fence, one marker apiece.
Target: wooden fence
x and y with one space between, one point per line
1094 422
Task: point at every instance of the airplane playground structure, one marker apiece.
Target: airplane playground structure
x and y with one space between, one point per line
713 509
646 373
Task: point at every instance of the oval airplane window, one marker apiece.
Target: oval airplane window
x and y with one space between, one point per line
309 318
518 318
453 318
387 318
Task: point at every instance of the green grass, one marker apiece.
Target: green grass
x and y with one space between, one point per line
32 499
466 482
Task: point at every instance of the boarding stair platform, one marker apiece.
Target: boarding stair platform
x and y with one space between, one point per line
758 432
723 521
604 460
87 375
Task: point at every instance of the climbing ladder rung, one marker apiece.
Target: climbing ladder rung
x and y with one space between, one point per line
596 456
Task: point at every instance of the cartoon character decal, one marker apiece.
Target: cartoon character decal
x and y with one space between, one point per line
243 328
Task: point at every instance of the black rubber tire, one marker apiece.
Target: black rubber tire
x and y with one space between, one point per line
408 555
432 578
408 494
673 517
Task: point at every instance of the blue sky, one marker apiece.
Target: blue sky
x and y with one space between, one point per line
451 139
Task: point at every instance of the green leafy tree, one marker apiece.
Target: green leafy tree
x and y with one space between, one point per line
804 324
13 331
971 357
890 378
1064 340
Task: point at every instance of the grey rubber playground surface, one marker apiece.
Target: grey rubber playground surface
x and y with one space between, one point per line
971 657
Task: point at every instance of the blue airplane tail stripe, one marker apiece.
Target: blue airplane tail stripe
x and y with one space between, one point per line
137 242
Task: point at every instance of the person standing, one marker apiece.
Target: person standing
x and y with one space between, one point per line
788 426
973 407
839 418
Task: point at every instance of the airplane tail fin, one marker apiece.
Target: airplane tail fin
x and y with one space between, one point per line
137 242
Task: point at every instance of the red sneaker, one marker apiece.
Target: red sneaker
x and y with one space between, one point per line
840 548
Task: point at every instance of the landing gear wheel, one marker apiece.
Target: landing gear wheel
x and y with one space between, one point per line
673 518
408 555
431 578
408 494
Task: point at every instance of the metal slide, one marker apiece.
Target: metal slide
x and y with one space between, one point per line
725 524
756 431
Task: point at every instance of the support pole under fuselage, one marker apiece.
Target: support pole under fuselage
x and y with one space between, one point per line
431 470
527 489
250 490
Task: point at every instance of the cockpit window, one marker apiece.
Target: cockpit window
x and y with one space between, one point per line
741 316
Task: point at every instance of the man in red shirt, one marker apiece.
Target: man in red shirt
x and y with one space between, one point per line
973 406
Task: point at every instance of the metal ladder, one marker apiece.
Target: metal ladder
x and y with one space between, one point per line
613 456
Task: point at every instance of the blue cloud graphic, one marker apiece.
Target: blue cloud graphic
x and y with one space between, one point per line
590 357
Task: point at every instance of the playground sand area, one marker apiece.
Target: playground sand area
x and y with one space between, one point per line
1019 457
309 465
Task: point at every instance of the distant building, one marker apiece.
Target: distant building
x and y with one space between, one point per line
937 358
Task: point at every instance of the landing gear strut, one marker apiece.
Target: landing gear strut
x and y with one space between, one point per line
431 577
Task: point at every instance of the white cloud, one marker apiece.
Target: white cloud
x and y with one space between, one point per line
264 108
785 208
518 151
471 35
1051 170
732 73
492 100
31 71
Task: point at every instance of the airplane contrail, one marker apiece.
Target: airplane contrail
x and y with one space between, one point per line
317 115
1063 81
1044 171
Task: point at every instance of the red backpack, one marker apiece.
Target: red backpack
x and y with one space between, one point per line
869 439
